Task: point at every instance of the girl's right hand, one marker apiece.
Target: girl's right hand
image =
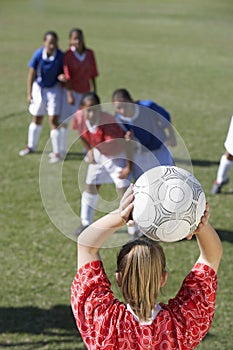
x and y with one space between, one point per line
126 206
29 98
70 99
203 222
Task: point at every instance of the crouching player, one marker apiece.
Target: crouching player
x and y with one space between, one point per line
149 125
104 141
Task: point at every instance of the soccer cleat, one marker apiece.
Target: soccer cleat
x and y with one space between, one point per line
218 187
62 155
80 229
51 155
25 151
54 160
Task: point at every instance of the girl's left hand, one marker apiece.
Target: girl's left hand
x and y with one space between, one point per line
126 206
124 173
62 78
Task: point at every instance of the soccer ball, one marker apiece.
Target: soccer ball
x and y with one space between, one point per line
169 203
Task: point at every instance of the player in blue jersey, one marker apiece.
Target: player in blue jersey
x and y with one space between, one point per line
44 93
148 124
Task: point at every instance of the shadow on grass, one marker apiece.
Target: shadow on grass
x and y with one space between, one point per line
198 162
74 156
225 235
57 322
12 115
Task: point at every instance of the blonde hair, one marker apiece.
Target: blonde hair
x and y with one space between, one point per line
142 264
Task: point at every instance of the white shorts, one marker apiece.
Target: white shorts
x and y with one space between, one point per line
106 170
45 100
229 140
67 110
144 160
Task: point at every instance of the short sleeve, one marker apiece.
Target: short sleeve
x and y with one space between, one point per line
66 65
90 296
193 307
33 63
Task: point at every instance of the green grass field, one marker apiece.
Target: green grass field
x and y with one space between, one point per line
176 52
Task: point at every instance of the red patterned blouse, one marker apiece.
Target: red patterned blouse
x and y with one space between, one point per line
106 323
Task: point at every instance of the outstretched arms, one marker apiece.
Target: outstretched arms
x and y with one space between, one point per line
91 239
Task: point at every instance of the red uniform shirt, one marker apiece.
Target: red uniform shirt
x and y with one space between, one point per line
79 73
105 323
108 137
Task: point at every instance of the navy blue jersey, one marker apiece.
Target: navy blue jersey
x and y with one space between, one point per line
157 108
47 68
148 124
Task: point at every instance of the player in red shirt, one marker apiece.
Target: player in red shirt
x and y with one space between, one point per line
105 144
107 323
80 71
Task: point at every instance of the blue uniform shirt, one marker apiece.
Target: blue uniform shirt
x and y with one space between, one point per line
148 125
47 68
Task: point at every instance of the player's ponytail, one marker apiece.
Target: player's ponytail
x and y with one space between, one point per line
141 265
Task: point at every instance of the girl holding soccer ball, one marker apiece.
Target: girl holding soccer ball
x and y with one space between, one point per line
142 323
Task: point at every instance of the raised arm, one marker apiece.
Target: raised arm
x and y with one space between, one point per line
209 243
93 237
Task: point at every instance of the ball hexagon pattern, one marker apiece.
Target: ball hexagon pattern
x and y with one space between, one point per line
169 203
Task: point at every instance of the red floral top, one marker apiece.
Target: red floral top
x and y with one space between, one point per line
105 322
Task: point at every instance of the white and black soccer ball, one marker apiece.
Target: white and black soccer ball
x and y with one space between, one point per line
169 203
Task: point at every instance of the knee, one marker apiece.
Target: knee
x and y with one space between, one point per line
93 189
229 156
37 120
53 122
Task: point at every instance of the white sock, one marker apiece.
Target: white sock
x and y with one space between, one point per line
55 140
34 131
132 229
63 140
223 169
88 205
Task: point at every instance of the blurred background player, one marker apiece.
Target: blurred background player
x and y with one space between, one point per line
105 322
148 124
44 93
104 141
80 72
226 162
